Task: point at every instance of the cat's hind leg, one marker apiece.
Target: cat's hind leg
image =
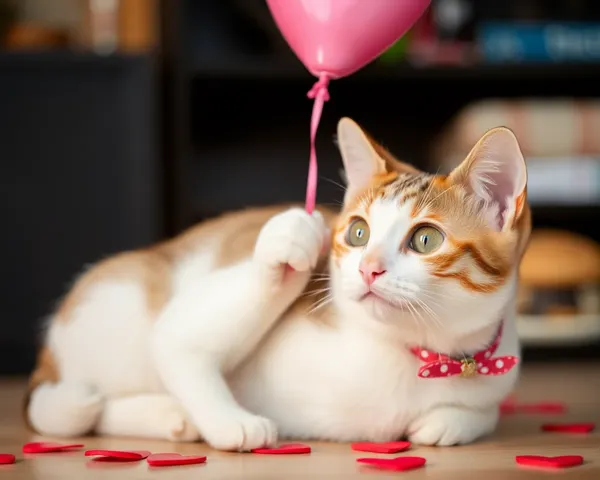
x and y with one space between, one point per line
64 409
156 416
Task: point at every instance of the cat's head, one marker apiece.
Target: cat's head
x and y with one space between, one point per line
431 250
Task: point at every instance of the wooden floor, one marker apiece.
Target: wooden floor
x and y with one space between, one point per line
490 459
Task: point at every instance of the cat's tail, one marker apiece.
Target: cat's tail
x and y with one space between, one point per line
57 408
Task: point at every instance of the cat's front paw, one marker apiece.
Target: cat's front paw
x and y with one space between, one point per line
293 238
447 426
239 431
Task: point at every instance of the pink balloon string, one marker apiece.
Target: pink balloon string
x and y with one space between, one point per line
320 95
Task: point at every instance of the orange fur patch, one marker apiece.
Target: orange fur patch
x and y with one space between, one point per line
150 267
46 370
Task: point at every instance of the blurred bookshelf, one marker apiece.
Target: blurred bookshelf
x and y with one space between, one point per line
199 107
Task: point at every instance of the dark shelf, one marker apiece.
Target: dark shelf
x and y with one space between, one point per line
264 67
81 178
58 59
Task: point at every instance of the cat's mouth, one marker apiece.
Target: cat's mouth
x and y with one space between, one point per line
399 304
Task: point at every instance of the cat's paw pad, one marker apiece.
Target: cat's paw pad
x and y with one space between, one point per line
240 431
451 426
293 237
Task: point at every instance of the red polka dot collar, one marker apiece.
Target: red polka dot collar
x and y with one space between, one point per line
481 363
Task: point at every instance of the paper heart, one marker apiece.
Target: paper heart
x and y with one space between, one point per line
50 447
569 427
285 449
563 461
398 464
7 458
171 459
118 455
383 447
511 407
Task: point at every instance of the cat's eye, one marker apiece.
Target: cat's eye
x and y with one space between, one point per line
426 239
358 233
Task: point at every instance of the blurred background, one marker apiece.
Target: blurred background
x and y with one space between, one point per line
124 121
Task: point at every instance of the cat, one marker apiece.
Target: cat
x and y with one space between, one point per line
273 323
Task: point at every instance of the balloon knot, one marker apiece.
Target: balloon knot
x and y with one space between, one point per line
319 89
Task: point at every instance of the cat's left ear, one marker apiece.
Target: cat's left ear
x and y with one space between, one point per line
364 158
496 173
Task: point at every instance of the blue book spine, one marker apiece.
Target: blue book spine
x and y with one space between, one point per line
502 42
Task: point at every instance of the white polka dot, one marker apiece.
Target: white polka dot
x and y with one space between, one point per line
424 354
425 373
485 370
479 365
444 368
488 354
499 363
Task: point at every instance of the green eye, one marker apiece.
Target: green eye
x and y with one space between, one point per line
358 233
426 239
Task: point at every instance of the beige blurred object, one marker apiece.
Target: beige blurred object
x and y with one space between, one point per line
108 26
102 26
558 258
61 14
29 36
99 30
43 24
138 25
560 127
559 291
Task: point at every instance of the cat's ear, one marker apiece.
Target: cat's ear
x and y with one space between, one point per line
364 158
495 172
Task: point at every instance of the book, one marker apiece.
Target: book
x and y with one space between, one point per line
544 42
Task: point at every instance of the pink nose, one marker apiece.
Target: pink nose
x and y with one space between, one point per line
370 271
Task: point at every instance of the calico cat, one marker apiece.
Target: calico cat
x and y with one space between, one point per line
393 318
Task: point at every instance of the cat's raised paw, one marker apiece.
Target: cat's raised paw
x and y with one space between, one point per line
240 431
293 238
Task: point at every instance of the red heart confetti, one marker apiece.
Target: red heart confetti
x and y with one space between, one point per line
7 458
569 427
50 447
384 447
171 459
398 464
564 461
285 449
118 455
509 407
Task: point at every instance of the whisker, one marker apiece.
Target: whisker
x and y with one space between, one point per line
435 294
431 299
437 196
419 314
320 304
337 184
427 309
318 291
427 192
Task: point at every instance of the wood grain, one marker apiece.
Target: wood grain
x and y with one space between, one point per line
490 459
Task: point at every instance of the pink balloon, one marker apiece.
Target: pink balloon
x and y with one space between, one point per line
338 37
